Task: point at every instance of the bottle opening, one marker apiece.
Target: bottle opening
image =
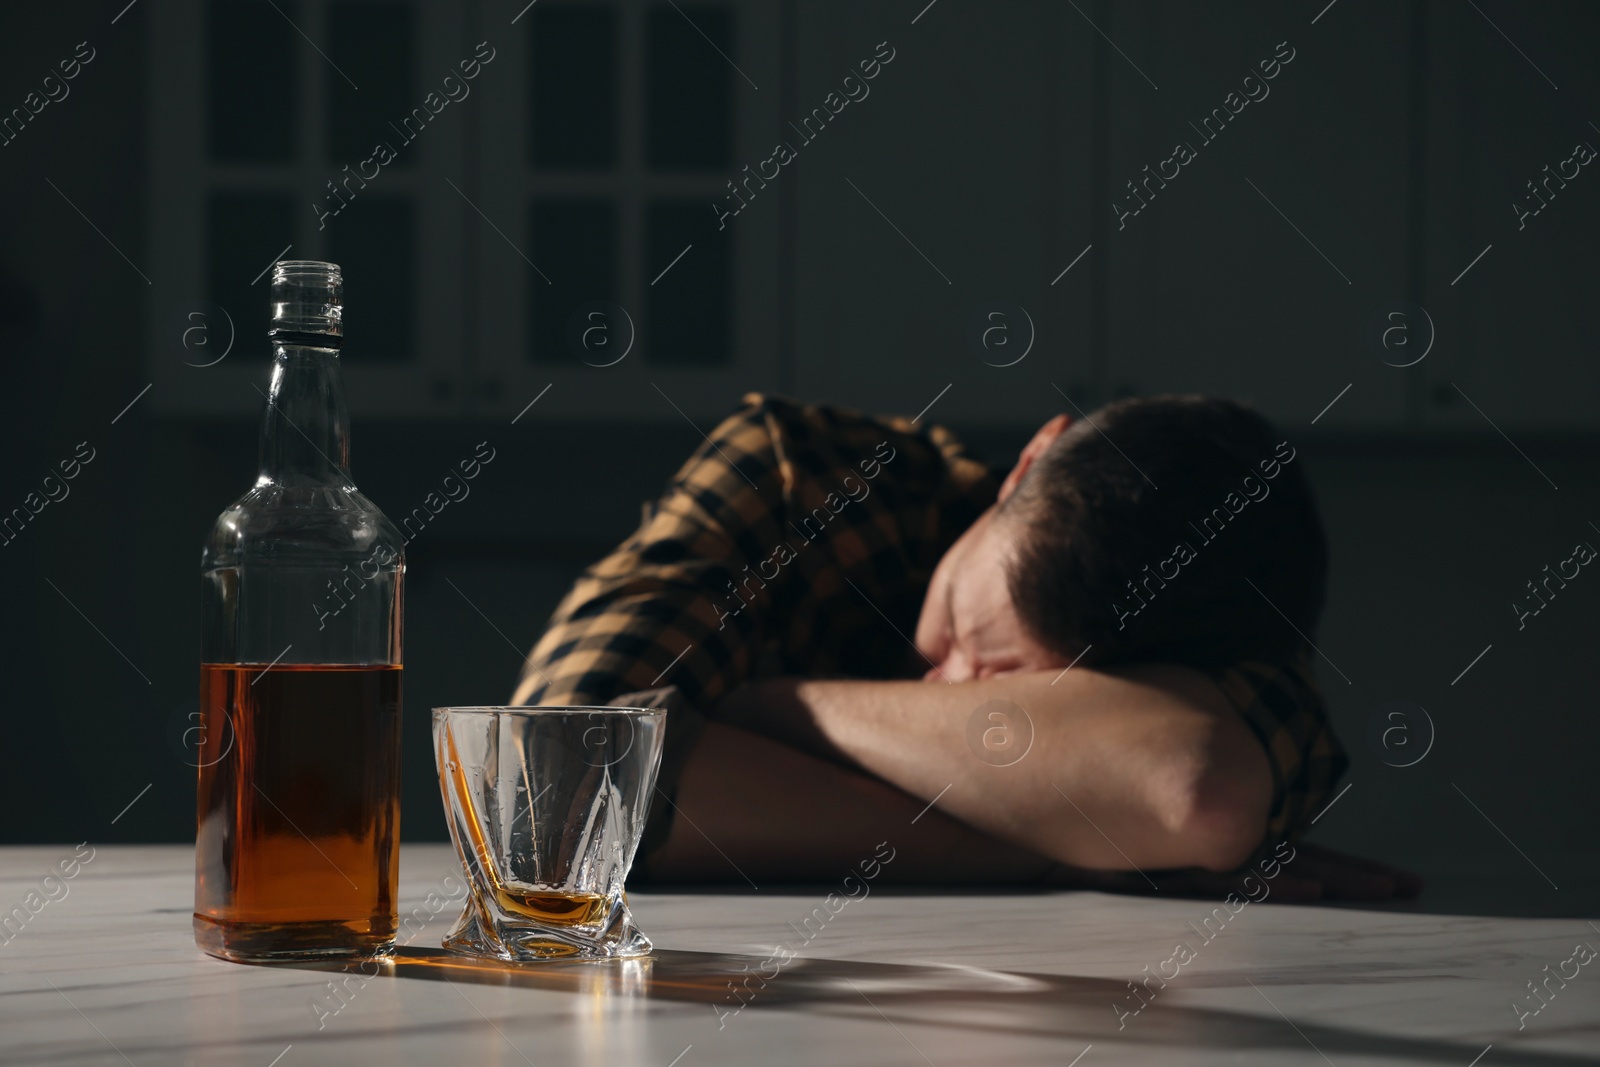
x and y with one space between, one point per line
307 302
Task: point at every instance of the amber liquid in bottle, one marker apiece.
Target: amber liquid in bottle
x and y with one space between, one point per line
300 838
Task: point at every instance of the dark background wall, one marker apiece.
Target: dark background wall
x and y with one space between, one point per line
1383 164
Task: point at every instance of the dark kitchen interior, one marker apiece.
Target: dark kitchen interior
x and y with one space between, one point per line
1411 144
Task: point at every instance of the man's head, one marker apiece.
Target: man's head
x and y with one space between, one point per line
1167 529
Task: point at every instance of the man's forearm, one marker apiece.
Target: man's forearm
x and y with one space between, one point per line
750 807
1147 768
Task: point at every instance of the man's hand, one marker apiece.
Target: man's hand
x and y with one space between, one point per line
1318 873
1315 873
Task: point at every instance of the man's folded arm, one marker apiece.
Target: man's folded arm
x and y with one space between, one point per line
747 807
1148 767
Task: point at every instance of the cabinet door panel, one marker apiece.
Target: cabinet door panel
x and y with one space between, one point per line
601 270
1516 332
1253 271
254 160
936 211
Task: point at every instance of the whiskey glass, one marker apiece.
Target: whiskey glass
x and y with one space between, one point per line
546 807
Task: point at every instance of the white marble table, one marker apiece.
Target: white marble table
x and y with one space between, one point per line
108 974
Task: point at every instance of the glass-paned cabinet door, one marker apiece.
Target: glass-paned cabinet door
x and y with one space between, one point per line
307 129
612 132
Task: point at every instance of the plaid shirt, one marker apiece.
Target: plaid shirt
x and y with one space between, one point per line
801 540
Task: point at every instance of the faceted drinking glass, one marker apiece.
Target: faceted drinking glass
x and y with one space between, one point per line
546 807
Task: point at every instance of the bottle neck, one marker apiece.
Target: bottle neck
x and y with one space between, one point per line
305 430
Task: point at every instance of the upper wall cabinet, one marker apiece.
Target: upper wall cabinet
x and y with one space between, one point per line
1255 203
609 272
1510 219
648 207
1353 220
518 198
307 129
939 206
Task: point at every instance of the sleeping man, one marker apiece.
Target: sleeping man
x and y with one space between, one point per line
1094 669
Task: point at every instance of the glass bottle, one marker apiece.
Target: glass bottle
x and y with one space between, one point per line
297 847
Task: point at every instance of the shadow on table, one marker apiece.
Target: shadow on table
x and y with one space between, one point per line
955 996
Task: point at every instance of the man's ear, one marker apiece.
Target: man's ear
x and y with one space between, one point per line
1042 440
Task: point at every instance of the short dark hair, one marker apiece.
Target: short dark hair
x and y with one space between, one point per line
1168 529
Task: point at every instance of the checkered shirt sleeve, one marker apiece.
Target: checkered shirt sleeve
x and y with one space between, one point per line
1284 709
798 536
